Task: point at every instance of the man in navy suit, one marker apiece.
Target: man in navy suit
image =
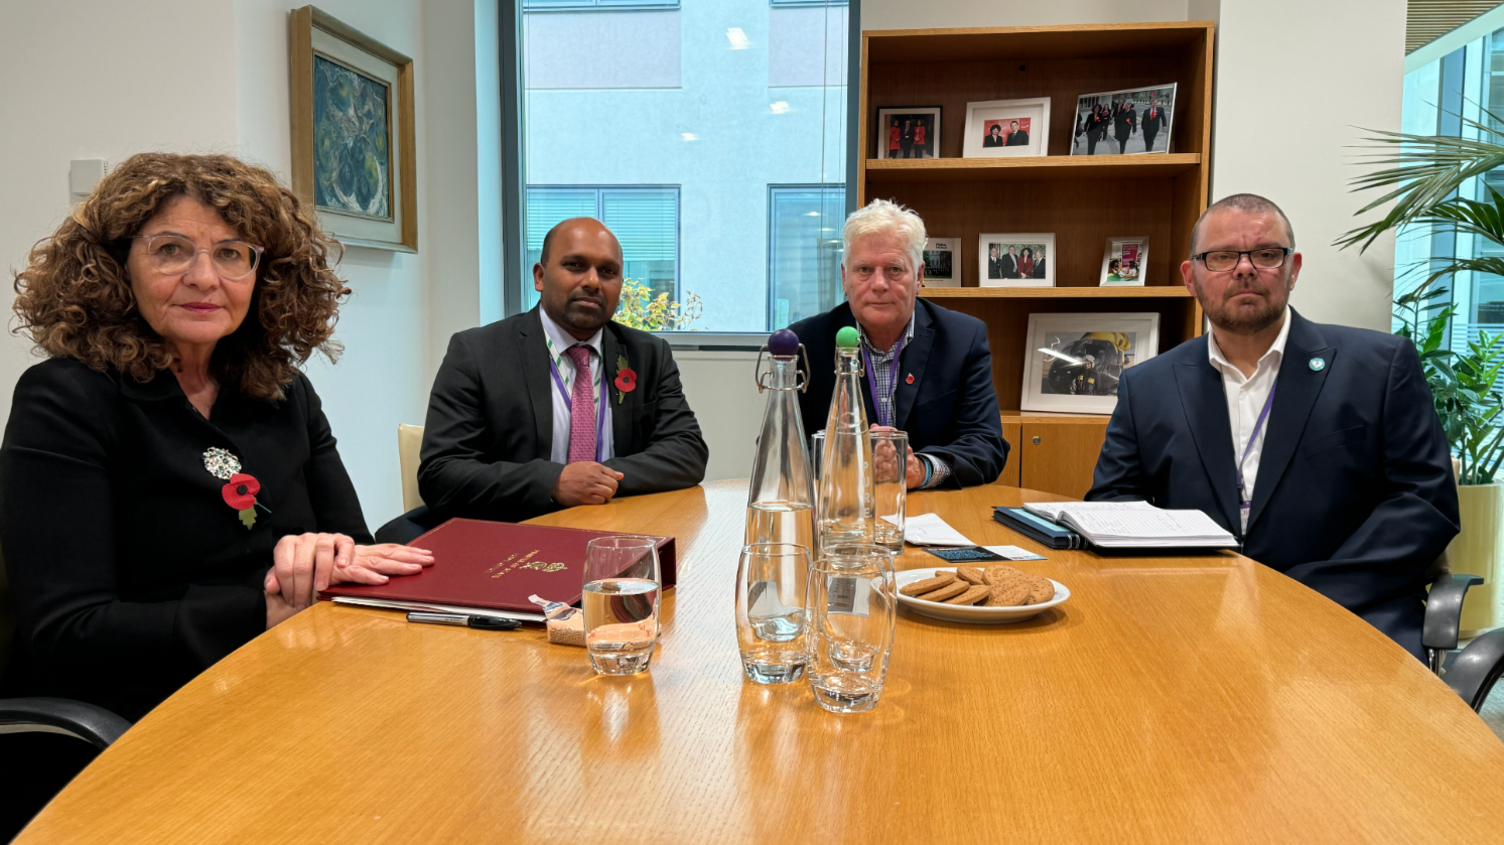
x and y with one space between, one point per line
1318 446
928 371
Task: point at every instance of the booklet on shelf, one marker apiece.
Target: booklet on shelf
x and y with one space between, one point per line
1127 525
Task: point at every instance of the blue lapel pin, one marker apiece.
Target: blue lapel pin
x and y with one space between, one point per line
1318 364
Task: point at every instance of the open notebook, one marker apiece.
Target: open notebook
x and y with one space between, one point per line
1127 525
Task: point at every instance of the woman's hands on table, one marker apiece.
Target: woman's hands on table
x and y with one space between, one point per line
305 564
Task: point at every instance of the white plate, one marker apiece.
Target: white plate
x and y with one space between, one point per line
971 613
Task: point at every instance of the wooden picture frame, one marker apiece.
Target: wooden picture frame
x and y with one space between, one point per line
1073 361
354 133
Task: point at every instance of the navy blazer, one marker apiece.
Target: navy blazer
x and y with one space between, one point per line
1354 495
949 408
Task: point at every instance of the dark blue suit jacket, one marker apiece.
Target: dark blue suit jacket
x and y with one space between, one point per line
949 409
1354 495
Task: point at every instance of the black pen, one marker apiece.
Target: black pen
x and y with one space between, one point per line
484 623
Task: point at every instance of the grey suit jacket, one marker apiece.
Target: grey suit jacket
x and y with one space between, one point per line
489 433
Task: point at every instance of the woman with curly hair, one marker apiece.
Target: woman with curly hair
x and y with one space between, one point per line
169 486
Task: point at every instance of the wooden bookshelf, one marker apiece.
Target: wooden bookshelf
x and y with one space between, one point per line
1082 200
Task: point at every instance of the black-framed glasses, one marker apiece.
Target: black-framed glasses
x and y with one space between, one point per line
172 254
1264 258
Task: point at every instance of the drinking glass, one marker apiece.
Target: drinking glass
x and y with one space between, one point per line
890 481
622 586
851 608
770 585
816 455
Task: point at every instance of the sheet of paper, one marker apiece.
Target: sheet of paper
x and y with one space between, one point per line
928 529
1014 553
1052 510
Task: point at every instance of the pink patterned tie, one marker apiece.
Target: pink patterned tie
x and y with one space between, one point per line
582 407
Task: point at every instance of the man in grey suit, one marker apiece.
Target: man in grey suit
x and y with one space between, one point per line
505 438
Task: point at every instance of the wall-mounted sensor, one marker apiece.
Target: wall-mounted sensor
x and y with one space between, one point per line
84 174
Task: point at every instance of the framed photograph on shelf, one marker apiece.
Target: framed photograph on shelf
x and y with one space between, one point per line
1127 122
942 263
1125 262
1016 261
353 133
1073 362
999 128
908 132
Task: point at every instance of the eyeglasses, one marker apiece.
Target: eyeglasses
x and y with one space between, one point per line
1268 258
171 254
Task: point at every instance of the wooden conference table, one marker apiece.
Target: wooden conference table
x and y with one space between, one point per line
1170 700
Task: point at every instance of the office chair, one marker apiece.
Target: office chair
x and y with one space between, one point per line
417 519
94 725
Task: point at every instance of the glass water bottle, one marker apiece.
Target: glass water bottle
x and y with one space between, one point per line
846 502
780 503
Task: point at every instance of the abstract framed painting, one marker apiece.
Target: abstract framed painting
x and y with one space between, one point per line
353 133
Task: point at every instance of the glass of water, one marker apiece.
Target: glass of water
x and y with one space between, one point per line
890 482
851 609
622 586
770 585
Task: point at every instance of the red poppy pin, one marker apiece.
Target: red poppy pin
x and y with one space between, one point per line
910 379
240 489
626 379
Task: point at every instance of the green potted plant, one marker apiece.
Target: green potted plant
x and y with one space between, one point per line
1421 175
640 309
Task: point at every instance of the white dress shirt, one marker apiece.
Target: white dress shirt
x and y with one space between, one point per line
559 340
1245 400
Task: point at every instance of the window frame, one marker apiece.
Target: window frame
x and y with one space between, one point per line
514 161
772 300
600 208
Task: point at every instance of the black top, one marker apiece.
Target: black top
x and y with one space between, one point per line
488 439
129 572
944 398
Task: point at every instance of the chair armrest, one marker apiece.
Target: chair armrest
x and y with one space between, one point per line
1476 668
1444 610
92 724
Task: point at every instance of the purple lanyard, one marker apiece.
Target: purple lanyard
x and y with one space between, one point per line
872 383
600 417
1259 424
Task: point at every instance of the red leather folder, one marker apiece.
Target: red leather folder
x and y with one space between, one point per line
496 566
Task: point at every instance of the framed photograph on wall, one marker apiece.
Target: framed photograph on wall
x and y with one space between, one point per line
353 133
999 128
1009 260
1125 262
942 263
908 132
1132 121
1072 362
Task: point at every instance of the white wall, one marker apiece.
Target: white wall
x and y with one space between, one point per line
77 76
1298 83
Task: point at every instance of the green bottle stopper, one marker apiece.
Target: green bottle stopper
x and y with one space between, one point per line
847 338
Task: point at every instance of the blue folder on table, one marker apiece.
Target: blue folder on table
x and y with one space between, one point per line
1038 529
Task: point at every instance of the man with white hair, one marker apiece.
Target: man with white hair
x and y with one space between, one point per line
928 371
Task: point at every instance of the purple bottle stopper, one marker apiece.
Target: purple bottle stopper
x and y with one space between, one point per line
783 343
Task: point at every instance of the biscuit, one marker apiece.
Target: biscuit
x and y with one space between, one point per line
1041 591
972 595
995 575
970 575
927 585
1012 594
951 590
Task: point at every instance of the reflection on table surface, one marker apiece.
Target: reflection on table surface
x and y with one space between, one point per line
1171 699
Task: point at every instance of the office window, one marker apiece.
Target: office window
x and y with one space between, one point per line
778 3
645 220
804 251
701 112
